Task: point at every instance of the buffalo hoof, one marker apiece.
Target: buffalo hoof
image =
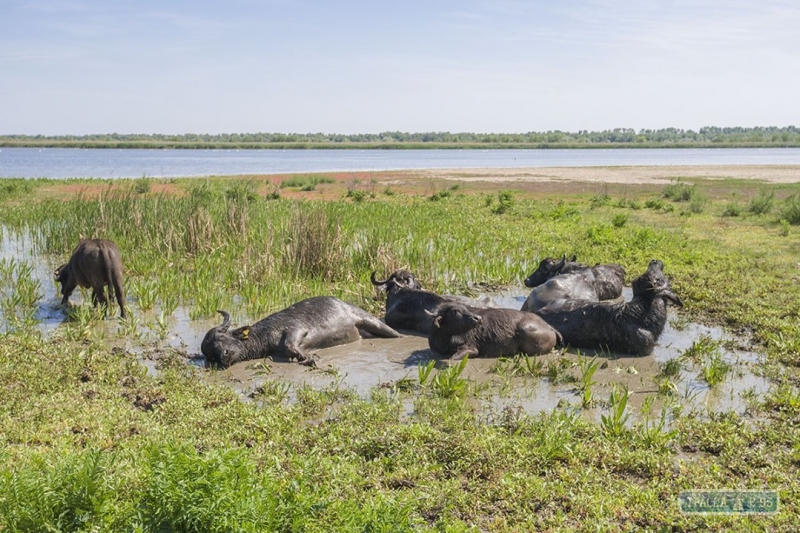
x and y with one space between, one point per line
309 362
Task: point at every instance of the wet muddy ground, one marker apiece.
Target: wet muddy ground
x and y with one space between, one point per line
495 385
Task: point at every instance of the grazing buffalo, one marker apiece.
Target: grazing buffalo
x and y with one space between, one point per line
317 322
95 263
407 302
459 331
557 280
628 327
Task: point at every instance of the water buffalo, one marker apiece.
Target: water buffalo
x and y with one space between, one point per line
628 327
317 322
458 331
406 301
555 280
95 263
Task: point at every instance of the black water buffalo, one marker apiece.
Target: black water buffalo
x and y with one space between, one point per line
95 263
561 279
458 331
627 327
407 301
310 324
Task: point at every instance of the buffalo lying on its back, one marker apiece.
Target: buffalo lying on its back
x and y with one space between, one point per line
318 322
628 327
561 279
94 263
459 331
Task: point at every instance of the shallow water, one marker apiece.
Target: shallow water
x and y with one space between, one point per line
135 163
370 363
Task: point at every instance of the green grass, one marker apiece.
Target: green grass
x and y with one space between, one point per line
305 183
89 441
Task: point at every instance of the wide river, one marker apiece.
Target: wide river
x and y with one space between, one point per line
134 163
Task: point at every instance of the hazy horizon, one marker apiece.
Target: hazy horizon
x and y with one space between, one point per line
81 67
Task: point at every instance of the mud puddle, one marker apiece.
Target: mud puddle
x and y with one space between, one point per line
495 385
555 380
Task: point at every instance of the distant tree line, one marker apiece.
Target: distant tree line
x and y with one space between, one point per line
786 136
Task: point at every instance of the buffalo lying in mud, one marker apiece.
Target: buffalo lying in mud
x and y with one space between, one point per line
94 263
628 327
310 324
407 302
459 331
561 279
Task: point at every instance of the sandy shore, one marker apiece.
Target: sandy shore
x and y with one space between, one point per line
628 174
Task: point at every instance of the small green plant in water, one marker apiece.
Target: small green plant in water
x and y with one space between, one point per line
162 326
614 423
701 349
671 368
448 383
715 370
275 391
424 371
585 382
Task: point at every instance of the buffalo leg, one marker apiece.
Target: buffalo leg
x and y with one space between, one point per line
99 296
375 328
462 353
291 345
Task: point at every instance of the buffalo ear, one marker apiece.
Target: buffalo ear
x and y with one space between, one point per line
437 322
242 333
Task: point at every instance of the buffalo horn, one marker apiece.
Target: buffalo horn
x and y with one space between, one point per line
375 281
672 297
226 320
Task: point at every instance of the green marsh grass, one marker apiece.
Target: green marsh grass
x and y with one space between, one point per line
790 211
762 204
90 441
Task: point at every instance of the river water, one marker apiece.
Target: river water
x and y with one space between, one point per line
135 163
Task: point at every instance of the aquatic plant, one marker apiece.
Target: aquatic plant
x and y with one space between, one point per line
614 423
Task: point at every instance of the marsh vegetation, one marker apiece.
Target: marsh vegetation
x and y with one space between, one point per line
92 439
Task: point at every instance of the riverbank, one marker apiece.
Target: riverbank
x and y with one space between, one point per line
639 175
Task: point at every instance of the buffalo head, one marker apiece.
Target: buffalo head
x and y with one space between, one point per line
548 268
65 277
654 282
454 318
221 347
398 279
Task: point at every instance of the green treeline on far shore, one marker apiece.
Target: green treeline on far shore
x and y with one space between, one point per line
617 138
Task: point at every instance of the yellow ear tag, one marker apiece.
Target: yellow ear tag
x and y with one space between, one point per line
245 333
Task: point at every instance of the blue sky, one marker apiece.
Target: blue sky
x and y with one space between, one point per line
78 67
